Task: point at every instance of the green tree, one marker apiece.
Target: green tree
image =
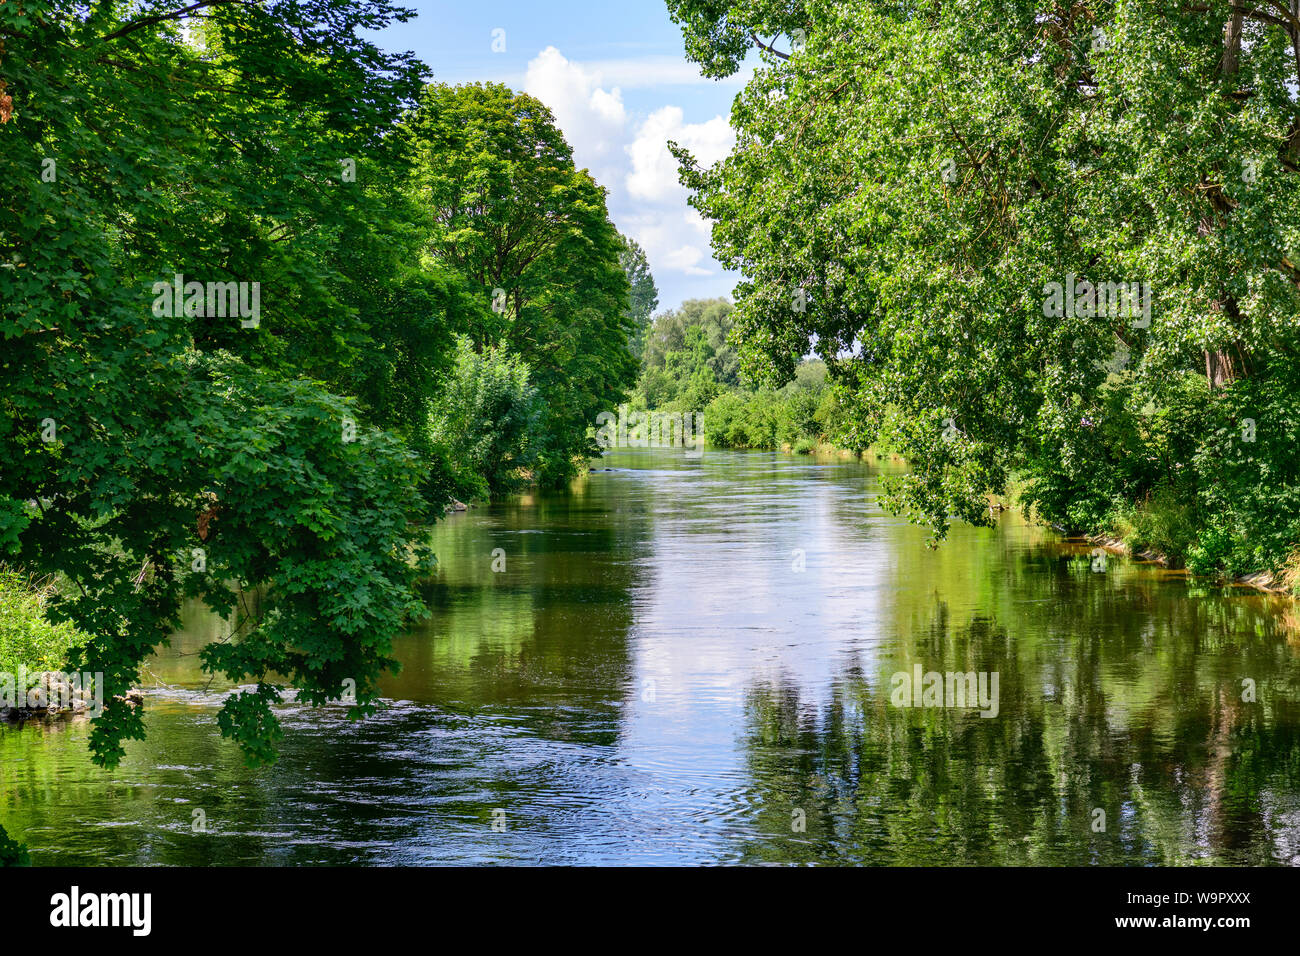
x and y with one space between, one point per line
404 313
151 451
713 317
511 212
487 422
908 183
643 296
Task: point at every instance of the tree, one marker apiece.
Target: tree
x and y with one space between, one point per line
644 297
713 318
405 315
720 33
511 212
156 445
486 422
955 205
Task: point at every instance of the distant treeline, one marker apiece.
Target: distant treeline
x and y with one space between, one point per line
688 365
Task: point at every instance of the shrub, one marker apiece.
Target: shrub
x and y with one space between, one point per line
767 418
1163 524
1248 475
724 421
27 638
486 422
799 413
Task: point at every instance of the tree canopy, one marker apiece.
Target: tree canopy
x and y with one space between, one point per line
1058 241
512 212
241 254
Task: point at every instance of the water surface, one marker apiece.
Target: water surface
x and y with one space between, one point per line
691 661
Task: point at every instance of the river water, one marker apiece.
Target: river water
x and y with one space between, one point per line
693 661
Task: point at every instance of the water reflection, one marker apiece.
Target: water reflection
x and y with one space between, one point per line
690 661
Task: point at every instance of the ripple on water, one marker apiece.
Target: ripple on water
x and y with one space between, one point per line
655 679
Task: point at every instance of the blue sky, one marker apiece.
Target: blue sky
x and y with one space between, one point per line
616 77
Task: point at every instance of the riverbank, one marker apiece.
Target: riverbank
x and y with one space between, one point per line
34 652
28 639
1130 536
818 449
1281 582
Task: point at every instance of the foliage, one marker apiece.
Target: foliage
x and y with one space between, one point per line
1160 524
710 349
798 415
27 638
487 422
689 365
907 184
643 295
719 33
407 313
511 212
144 434
1249 491
11 852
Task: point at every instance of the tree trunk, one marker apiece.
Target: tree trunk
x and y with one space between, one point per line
1232 43
1222 366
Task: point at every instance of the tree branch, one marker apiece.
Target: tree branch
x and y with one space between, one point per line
770 49
162 17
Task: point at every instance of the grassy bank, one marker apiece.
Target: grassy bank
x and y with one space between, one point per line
1172 533
27 638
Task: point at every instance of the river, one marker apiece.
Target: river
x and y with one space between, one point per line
693 661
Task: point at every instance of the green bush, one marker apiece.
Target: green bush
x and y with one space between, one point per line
691 367
1211 480
799 415
12 853
27 638
724 421
765 418
1247 469
486 422
1162 524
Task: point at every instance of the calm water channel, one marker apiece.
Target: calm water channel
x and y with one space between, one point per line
693 662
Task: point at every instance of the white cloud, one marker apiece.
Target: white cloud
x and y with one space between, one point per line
654 169
593 118
674 235
675 238
660 249
631 159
